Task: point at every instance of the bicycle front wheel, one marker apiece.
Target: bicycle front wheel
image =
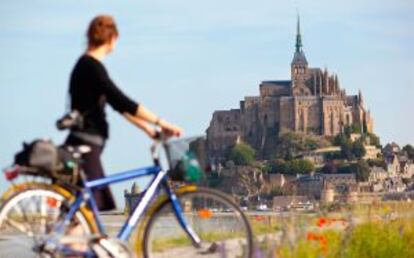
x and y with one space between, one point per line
216 219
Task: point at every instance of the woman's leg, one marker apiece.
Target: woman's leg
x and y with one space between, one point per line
93 169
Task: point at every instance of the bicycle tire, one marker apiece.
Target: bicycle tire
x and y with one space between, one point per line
201 217
30 213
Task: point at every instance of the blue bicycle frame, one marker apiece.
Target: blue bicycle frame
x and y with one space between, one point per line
160 179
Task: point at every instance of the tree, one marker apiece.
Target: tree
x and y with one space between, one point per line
350 150
287 146
339 139
242 154
298 166
243 181
358 149
361 170
374 140
409 149
277 166
353 128
346 149
294 166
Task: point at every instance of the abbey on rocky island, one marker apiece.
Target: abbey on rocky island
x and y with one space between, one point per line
311 102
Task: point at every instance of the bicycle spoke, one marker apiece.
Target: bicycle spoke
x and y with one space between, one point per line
22 211
43 213
21 227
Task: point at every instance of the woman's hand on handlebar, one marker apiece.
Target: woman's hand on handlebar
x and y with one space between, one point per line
170 130
164 132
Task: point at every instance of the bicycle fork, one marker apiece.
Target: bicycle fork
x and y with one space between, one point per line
178 211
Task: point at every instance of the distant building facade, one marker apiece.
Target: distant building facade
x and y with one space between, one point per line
316 186
312 101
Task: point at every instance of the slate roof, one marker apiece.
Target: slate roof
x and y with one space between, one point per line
299 58
284 83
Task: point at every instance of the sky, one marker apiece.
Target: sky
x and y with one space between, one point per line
185 59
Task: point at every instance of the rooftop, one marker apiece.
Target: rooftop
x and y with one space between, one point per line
284 83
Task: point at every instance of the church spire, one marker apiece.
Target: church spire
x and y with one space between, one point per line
299 56
298 37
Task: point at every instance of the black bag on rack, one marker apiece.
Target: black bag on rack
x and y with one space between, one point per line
42 158
40 154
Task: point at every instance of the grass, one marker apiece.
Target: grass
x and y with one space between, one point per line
163 244
260 225
367 240
380 230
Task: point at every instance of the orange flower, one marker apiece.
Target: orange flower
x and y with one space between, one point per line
205 213
310 236
323 240
328 221
321 222
259 218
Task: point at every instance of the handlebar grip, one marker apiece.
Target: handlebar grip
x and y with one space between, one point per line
158 135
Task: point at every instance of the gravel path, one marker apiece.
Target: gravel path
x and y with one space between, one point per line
16 247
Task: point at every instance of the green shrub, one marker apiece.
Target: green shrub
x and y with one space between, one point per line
242 154
294 166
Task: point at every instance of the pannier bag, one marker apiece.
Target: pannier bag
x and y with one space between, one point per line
42 158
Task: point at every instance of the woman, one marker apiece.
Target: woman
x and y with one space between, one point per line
90 89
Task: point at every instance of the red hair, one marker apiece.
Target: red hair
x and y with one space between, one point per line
101 31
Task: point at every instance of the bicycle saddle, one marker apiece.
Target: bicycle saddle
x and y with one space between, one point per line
78 150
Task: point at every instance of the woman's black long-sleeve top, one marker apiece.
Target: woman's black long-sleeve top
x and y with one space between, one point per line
90 88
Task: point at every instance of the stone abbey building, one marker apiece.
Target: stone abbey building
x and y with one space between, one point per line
311 102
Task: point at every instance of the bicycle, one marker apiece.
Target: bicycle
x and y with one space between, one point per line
211 224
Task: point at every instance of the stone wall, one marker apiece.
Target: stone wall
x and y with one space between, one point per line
224 129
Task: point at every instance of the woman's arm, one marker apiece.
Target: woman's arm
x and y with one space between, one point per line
144 117
143 113
145 126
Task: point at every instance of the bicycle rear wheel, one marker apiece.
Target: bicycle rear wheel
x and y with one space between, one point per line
217 220
28 216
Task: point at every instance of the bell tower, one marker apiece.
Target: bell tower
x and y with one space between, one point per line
299 65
